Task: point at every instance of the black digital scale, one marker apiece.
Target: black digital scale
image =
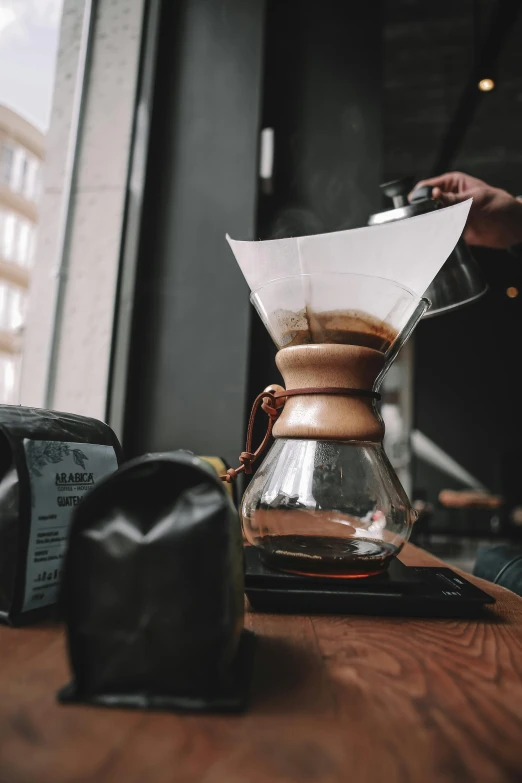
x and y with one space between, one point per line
402 590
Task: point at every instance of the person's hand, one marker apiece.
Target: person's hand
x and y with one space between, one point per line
495 218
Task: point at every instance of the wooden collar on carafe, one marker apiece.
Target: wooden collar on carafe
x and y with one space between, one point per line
329 416
328 396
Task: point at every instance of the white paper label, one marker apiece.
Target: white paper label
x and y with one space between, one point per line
60 475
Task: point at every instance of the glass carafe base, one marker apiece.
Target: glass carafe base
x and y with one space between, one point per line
330 509
335 558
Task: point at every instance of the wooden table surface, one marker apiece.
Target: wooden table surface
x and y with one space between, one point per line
335 699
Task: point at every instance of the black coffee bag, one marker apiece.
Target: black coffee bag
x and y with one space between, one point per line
153 590
48 462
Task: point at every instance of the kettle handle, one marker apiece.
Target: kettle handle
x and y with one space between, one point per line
421 194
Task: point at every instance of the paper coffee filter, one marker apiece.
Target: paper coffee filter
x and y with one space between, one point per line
409 252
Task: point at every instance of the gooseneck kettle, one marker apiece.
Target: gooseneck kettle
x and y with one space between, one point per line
459 282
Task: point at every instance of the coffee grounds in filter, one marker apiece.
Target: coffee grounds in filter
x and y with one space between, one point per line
343 327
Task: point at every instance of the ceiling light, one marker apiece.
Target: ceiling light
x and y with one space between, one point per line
486 85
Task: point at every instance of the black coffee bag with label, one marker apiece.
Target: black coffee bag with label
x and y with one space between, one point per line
153 590
48 463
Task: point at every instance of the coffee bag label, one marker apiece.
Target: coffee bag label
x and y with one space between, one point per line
60 474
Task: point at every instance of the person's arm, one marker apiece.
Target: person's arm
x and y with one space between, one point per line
495 218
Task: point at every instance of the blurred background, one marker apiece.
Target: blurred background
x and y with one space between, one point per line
135 133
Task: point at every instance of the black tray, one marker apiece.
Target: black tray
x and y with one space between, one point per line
402 590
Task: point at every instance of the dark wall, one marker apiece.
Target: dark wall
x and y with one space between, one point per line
227 68
466 364
322 96
466 368
429 54
187 383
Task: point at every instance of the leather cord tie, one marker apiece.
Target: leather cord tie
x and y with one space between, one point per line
268 402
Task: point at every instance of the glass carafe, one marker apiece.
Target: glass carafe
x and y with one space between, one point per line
327 508
325 501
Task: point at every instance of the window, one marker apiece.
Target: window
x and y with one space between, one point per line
16 309
28 61
8 237
30 182
23 245
6 164
12 308
8 378
37 182
24 169
3 310
32 244
19 168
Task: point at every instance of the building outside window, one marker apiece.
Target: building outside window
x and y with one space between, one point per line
60 278
22 152
29 35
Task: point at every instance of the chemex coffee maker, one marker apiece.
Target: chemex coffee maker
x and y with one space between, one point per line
325 502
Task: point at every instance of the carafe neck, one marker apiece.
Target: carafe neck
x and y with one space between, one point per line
329 416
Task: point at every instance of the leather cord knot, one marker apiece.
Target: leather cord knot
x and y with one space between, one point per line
246 458
267 402
229 476
270 410
272 403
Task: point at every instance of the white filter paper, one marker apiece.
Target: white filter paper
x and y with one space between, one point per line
409 252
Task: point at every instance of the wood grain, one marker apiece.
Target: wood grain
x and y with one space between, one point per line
334 700
329 417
